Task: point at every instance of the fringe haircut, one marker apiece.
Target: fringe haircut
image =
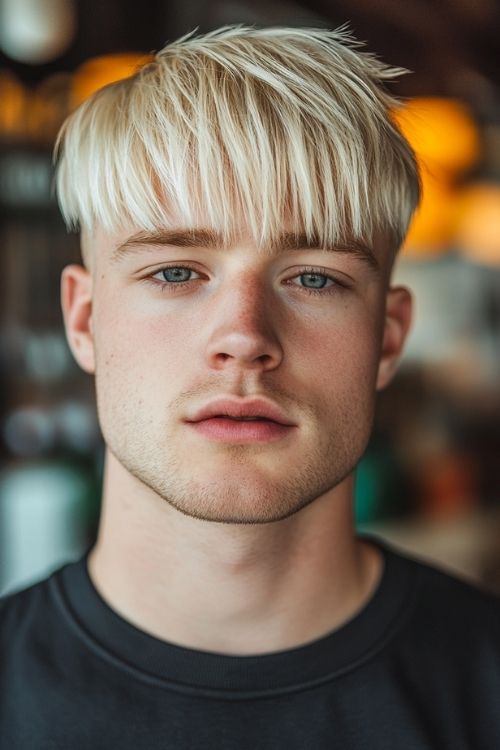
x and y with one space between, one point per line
246 124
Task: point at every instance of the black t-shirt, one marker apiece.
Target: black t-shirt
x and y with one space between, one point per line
417 667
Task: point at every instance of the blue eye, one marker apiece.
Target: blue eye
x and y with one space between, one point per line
173 272
318 277
176 277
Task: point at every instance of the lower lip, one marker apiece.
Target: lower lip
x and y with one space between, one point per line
232 431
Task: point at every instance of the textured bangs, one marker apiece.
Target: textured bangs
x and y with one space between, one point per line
260 126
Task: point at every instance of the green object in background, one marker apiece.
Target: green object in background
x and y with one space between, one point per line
380 489
43 519
368 489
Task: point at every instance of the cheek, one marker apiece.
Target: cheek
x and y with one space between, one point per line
341 356
139 354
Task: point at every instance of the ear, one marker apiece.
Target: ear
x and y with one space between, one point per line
76 303
397 322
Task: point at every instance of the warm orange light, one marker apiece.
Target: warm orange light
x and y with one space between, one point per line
477 233
100 71
13 100
442 133
431 229
49 105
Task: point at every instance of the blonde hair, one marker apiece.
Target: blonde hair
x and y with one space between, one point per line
244 122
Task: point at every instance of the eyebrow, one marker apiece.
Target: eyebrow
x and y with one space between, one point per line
211 239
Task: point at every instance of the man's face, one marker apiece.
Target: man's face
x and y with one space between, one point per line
245 324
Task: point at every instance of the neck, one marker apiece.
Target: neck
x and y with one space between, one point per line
230 588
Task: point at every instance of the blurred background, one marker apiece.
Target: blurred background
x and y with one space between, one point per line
430 478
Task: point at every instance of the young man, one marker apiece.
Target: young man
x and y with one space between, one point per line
241 201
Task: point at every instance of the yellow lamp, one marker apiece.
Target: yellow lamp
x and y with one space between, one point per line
13 98
442 133
100 71
477 232
431 229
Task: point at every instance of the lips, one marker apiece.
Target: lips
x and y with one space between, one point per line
240 431
238 409
243 419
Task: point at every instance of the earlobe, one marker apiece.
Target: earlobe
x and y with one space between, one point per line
76 303
398 318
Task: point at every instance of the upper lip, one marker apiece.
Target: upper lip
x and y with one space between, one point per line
230 407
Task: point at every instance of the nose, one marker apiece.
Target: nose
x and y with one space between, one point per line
243 327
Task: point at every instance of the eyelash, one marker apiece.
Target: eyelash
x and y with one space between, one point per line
174 285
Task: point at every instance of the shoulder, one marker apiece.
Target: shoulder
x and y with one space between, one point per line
434 580
439 587
444 657
28 608
448 611
18 606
